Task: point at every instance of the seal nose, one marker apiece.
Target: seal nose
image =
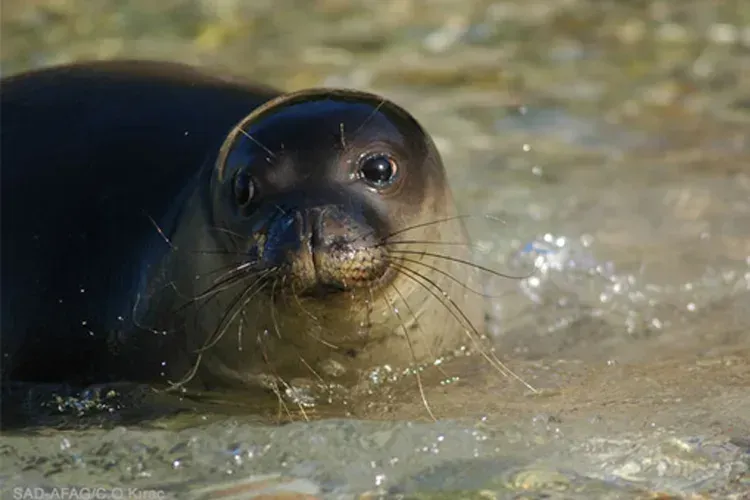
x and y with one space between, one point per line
333 227
346 253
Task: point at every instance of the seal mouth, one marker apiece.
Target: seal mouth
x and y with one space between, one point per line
321 290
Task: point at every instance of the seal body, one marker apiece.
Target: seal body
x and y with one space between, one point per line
162 224
87 150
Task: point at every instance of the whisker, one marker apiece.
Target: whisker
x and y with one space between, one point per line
239 331
494 361
463 261
425 242
274 385
299 304
173 386
270 153
282 403
449 276
265 357
227 231
238 238
367 120
218 251
312 370
440 221
313 317
233 311
222 283
292 391
411 274
231 270
368 311
219 283
231 278
159 230
413 355
137 322
419 326
273 309
425 224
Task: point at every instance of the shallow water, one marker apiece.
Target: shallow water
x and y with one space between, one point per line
611 145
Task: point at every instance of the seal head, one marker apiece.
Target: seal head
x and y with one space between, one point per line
334 244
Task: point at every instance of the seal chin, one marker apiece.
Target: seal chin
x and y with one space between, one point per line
325 250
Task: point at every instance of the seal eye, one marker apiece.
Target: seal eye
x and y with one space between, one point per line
244 189
379 171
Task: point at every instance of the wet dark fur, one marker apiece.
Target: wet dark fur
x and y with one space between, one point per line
122 257
75 192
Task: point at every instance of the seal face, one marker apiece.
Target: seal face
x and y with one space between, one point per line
314 238
335 213
315 201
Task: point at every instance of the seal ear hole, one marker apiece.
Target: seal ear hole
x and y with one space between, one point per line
244 189
379 171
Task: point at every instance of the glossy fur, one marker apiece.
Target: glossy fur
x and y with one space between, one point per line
127 255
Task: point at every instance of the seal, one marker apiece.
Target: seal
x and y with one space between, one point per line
161 224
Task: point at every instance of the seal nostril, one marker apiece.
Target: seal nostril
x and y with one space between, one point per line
334 228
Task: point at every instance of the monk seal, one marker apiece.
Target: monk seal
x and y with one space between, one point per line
161 224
